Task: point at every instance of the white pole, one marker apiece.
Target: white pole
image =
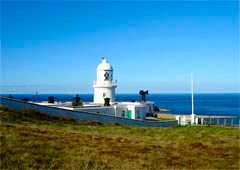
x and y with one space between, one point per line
192 116
115 110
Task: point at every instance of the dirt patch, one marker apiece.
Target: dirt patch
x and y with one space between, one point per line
198 145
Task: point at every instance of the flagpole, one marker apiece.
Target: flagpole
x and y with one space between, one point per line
192 115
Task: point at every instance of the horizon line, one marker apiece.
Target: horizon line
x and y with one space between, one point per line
72 93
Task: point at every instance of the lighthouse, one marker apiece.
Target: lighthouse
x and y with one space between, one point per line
104 86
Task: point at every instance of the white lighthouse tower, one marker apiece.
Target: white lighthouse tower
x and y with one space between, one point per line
104 87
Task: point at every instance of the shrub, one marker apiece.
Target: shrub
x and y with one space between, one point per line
10 96
51 99
25 99
156 109
74 103
77 101
149 114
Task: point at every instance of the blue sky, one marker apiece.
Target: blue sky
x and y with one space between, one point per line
54 47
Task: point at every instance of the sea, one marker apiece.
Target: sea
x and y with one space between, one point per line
204 104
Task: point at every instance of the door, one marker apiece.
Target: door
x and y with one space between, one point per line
129 114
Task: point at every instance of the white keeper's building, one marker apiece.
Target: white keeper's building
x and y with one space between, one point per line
105 87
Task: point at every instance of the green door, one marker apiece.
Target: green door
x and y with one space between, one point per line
129 114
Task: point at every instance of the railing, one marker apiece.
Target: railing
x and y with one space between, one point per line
105 83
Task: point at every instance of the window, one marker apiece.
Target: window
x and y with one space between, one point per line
123 113
138 115
106 75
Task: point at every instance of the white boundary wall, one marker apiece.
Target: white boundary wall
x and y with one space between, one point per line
81 115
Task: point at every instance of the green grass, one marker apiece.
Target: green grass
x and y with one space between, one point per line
33 140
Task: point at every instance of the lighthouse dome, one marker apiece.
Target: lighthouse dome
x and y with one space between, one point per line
104 65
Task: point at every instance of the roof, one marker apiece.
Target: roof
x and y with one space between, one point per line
104 65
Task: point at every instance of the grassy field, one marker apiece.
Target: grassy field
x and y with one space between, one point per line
32 140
